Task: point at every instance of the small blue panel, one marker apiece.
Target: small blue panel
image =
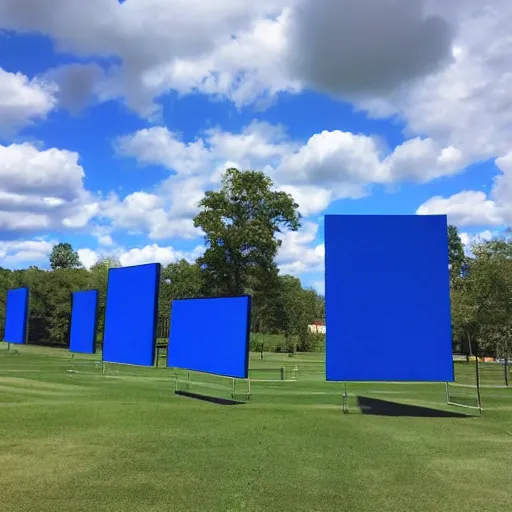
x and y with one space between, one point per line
131 315
211 335
16 316
387 298
84 321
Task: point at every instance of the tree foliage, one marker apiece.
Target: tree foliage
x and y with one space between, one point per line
240 223
63 257
50 299
482 300
456 254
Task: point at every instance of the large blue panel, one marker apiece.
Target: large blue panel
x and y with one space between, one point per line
387 298
84 321
16 316
131 315
211 335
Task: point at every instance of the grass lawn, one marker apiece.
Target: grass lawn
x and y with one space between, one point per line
74 439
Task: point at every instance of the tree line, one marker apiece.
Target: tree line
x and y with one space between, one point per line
481 296
241 224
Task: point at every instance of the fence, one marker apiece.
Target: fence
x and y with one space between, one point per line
163 328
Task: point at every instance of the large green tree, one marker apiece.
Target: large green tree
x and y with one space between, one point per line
482 299
63 256
240 223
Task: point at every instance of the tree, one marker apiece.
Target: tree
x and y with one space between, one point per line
240 223
98 279
482 300
456 255
63 256
179 280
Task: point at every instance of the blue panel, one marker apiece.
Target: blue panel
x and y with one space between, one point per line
387 298
84 321
211 335
16 316
131 315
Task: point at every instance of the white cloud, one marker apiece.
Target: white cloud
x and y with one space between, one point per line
474 207
17 253
296 254
313 199
184 44
342 165
243 51
143 212
257 144
153 253
159 146
467 104
106 240
42 190
468 239
22 100
330 165
467 208
88 257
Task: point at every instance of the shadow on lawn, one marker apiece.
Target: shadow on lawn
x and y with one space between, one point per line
385 408
206 398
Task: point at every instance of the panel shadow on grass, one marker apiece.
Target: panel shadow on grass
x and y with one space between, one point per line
207 398
379 407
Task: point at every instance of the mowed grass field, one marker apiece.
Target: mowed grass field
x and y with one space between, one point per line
74 439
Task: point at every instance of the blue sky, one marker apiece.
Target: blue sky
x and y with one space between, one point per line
115 118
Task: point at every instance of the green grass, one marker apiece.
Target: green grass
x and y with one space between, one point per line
72 439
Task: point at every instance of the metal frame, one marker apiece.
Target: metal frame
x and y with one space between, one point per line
478 405
233 383
344 399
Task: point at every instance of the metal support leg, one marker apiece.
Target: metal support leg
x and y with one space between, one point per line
344 399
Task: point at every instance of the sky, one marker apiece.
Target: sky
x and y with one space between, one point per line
115 117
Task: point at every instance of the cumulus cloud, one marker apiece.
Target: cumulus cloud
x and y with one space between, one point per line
474 207
23 101
76 84
146 213
365 48
296 255
467 208
243 52
153 253
20 253
466 104
443 67
41 190
156 45
468 239
156 253
329 165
